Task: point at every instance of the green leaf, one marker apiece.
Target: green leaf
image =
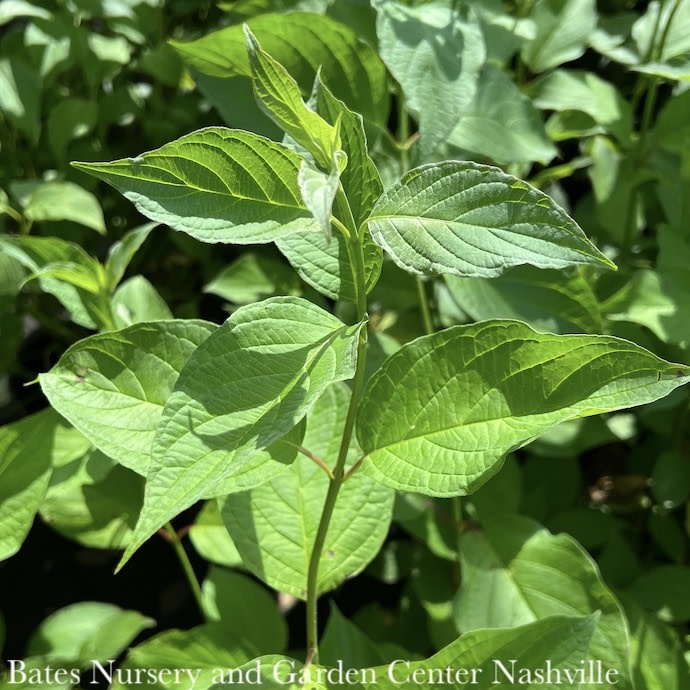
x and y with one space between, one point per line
656 652
326 266
27 450
274 525
87 631
211 539
43 201
529 574
113 386
249 384
502 658
279 95
563 28
360 180
344 642
12 9
441 413
137 301
122 252
253 277
435 55
70 119
664 589
302 42
474 220
318 193
93 501
201 653
564 90
676 38
671 479
246 609
39 253
502 123
20 95
217 185
546 300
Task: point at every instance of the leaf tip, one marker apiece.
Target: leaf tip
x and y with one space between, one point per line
250 39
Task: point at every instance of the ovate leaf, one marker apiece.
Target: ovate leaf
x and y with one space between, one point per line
217 185
113 386
474 220
441 413
529 574
274 526
435 55
279 95
247 386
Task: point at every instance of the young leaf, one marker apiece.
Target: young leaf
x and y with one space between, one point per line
250 383
530 574
435 55
360 180
217 185
279 95
113 386
274 525
474 220
441 413
137 301
318 192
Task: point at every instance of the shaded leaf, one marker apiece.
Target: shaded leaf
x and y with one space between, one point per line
113 386
249 384
529 574
274 526
441 413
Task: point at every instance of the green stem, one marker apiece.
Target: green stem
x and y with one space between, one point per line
424 304
355 246
174 539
